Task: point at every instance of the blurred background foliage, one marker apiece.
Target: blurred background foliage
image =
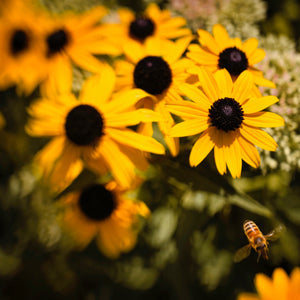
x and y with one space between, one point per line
185 249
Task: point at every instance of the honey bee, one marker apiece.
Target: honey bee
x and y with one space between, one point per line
257 241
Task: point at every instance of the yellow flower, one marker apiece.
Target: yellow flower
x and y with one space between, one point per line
220 51
21 47
280 287
228 119
106 214
153 22
159 70
92 129
74 38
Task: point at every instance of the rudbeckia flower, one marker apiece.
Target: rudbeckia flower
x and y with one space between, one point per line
228 119
219 51
21 47
159 70
279 287
75 38
106 214
92 130
152 23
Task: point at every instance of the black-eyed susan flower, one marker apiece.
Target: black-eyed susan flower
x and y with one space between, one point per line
279 287
106 214
152 23
219 51
92 130
158 69
228 119
21 47
75 38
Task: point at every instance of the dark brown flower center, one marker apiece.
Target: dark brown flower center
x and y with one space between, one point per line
96 202
233 60
226 114
19 41
84 125
141 28
152 74
57 41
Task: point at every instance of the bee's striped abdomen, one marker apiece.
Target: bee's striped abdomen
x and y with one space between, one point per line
251 230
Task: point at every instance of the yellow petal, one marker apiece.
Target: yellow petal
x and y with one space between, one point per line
259 80
135 140
280 283
264 286
221 36
179 47
254 105
187 110
234 156
209 85
132 118
201 56
242 88
201 148
258 137
250 46
249 152
97 89
263 119
224 83
124 100
219 153
246 296
86 61
67 167
189 127
118 163
256 57
195 94
207 40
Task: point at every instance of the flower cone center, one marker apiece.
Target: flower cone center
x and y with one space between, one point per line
233 60
153 75
57 41
19 41
141 28
96 202
226 114
84 125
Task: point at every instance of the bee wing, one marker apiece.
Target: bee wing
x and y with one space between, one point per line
275 234
242 253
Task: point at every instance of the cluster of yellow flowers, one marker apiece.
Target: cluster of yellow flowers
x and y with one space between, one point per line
159 69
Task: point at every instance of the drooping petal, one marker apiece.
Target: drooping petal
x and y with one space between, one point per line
263 119
201 148
249 152
132 118
135 140
258 137
234 157
121 167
